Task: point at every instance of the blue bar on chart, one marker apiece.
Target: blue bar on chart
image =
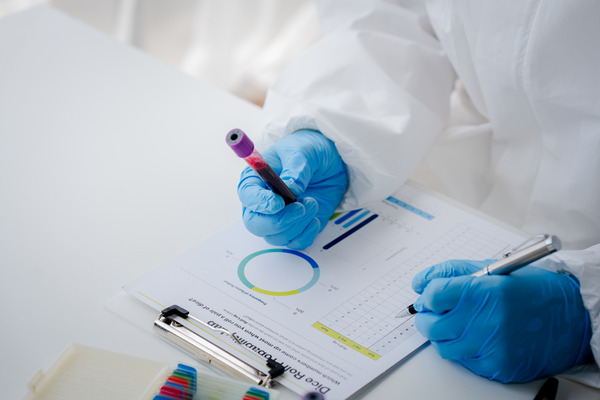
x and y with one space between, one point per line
355 219
346 216
410 208
350 223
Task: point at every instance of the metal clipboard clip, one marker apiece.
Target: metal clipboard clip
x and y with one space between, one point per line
167 326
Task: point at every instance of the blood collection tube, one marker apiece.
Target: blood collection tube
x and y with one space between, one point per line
241 144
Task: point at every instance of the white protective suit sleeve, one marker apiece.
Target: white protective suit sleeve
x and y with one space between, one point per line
378 84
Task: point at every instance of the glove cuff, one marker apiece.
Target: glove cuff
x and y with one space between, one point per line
585 353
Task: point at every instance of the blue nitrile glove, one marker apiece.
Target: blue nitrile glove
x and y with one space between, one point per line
309 164
514 328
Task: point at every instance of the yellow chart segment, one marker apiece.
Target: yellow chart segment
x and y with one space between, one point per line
342 339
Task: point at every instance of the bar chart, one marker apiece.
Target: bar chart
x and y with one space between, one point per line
353 223
376 228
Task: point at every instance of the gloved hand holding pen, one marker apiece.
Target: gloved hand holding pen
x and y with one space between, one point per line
512 328
311 167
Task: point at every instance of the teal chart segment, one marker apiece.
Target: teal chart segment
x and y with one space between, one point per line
242 275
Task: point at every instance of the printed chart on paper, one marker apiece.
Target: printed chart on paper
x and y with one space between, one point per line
326 312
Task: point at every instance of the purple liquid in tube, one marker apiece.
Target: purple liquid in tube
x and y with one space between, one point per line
241 144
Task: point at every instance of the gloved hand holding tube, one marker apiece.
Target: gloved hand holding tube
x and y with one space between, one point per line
513 328
312 169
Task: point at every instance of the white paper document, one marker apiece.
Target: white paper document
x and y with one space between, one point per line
328 312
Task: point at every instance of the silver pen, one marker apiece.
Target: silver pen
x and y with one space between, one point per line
541 246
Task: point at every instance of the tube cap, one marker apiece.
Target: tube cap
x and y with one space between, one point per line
240 143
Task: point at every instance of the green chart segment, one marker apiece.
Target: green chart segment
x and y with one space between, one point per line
311 262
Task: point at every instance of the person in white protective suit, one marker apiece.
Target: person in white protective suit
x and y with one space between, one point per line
496 104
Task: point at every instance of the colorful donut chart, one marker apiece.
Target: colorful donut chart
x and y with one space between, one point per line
311 262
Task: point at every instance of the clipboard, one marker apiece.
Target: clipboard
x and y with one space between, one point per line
173 325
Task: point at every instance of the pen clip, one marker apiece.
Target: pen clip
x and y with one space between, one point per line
527 252
167 325
529 242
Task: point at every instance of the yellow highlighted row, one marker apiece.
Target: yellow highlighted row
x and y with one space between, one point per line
270 293
342 339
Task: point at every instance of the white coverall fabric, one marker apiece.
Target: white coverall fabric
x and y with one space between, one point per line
518 137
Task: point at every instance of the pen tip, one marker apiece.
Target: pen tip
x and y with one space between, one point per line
407 312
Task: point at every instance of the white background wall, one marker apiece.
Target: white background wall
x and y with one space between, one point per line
238 45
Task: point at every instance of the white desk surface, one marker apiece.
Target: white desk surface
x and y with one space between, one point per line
112 163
